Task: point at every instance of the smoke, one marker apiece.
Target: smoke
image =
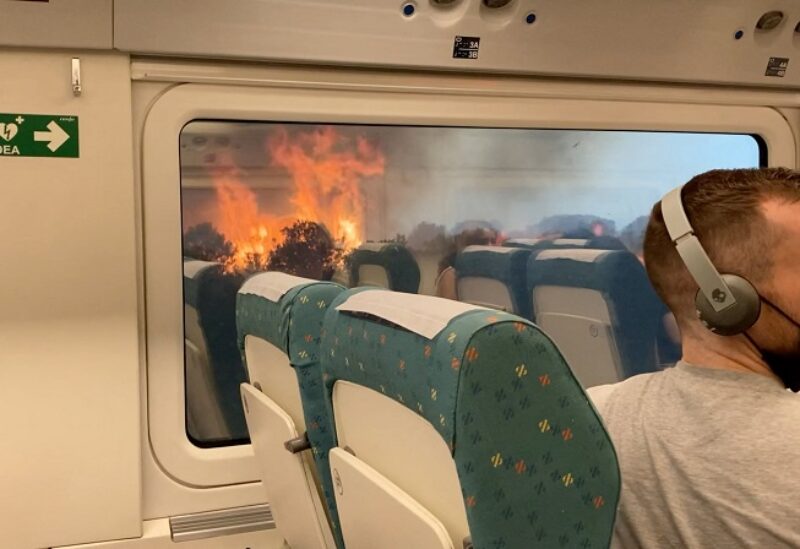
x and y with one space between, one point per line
512 179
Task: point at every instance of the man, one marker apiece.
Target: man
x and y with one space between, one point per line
710 450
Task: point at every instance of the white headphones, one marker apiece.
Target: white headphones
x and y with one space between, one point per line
726 304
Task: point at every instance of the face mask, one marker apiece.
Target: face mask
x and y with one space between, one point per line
785 364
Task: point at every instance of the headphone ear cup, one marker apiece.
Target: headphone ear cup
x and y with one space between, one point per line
735 319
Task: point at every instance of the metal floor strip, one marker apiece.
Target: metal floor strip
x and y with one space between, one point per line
221 523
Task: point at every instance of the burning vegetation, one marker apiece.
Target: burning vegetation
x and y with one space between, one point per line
307 250
326 169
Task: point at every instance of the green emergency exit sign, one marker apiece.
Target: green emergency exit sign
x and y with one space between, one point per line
39 135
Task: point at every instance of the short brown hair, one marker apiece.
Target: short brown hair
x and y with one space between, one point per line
724 208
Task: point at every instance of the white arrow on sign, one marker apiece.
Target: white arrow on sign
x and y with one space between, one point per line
55 137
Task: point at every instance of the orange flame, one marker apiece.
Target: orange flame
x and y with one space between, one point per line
253 234
326 169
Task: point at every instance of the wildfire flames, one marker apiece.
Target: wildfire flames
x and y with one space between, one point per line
252 234
326 169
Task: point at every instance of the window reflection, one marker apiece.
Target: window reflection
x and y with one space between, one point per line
398 207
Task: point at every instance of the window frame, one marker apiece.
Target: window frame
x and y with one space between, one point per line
161 203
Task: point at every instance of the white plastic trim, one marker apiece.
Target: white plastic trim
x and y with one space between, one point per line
272 286
422 314
577 254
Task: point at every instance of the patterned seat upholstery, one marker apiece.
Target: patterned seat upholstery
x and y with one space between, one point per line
279 321
384 264
213 364
494 276
599 308
530 464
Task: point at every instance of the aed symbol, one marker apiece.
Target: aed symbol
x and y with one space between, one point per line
9 131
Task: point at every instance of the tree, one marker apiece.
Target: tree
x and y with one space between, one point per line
204 242
308 251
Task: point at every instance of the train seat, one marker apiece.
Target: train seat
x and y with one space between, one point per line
599 308
494 276
213 363
527 243
428 262
450 421
386 265
595 243
204 415
279 317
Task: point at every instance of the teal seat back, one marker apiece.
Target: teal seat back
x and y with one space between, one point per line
535 464
212 294
398 263
288 312
629 312
494 276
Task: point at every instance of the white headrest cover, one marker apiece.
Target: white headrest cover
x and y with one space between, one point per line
577 254
272 286
524 241
421 314
493 249
373 246
577 242
192 268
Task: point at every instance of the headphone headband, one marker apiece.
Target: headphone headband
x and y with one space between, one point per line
711 284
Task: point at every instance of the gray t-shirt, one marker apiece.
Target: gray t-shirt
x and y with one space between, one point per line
709 458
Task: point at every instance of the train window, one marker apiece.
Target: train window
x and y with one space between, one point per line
397 206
